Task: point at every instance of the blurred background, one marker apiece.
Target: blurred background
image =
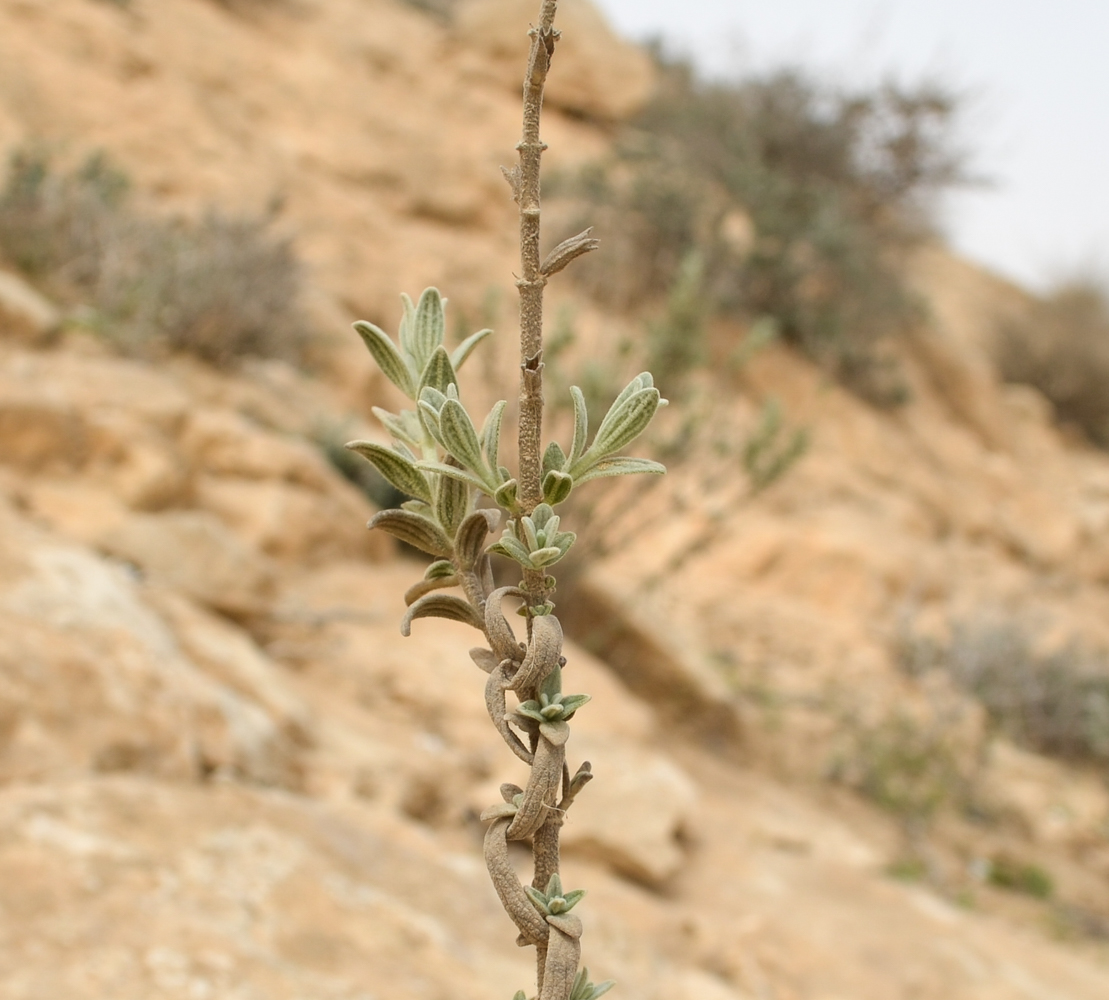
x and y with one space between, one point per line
849 659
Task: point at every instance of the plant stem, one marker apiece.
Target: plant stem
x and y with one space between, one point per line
532 280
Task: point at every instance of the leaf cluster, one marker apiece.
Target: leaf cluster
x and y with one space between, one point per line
448 467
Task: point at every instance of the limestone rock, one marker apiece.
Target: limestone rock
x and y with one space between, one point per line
599 74
636 824
24 313
191 551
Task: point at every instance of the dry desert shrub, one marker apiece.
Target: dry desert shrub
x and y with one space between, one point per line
220 287
798 201
1062 348
1053 701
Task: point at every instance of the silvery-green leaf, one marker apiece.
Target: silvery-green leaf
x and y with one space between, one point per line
435 398
455 473
557 486
520 995
531 537
417 507
621 466
554 457
491 435
642 381
388 358
572 702
601 989
544 557
512 549
397 469
563 540
573 897
452 502
424 587
542 515
416 530
427 328
622 425
429 418
536 897
460 438
438 372
505 494
469 542
407 323
581 426
465 349
439 569
406 430
554 886
442 606
552 683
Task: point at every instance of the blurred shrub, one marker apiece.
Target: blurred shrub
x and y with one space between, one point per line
219 287
1053 702
798 201
1006 872
1062 348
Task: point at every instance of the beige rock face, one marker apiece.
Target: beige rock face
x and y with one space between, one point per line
24 313
223 772
599 74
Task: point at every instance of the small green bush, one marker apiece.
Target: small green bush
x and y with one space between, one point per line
220 287
798 200
1016 876
1062 348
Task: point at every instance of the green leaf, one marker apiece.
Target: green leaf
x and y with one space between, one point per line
624 423
545 557
465 349
520 995
572 702
505 494
552 683
442 606
512 548
397 469
416 530
491 434
621 466
407 323
537 898
428 327
554 886
403 426
581 425
388 358
455 473
452 502
554 458
573 897
438 372
460 438
556 486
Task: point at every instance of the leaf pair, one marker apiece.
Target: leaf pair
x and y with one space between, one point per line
554 900
448 423
626 419
420 359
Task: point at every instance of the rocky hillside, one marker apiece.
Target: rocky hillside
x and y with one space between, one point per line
224 774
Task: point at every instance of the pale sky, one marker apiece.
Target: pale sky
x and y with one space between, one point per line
1037 72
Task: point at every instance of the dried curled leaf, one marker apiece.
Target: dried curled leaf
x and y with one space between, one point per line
531 924
501 637
567 251
542 655
469 542
425 587
541 793
484 658
441 606
563 956
495 688
415 529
